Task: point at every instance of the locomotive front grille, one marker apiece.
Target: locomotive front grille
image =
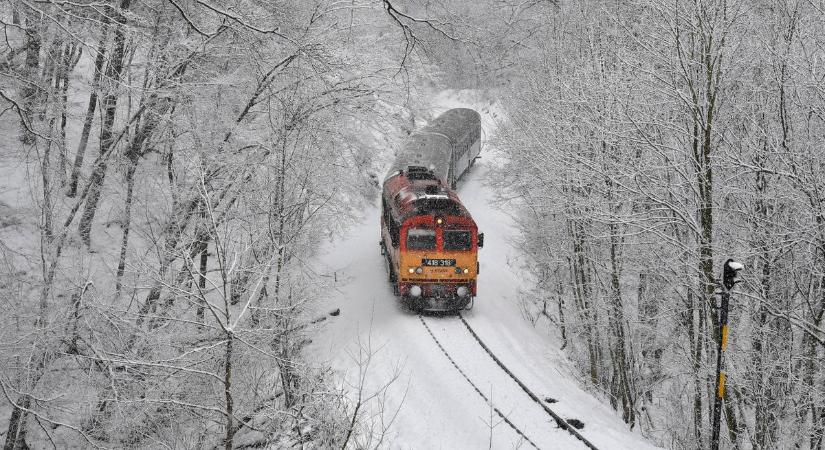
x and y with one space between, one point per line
438 290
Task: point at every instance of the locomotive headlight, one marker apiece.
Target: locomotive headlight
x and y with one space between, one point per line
462 291
439 221
415 291
419 270
466 270
412 270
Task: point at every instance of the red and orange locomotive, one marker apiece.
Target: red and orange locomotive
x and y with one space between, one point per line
428 237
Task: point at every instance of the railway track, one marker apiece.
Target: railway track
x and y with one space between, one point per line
560 422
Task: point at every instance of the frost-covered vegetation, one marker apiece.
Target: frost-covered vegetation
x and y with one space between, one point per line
652 140
170 167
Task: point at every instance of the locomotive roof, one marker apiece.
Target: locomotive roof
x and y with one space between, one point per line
415 195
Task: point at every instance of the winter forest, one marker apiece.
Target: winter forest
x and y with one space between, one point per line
171 172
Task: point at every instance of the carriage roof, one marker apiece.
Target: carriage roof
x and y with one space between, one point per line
425 150
431 147
455 124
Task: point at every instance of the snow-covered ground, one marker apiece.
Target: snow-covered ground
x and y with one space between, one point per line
428 404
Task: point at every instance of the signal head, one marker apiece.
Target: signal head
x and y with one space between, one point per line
730 272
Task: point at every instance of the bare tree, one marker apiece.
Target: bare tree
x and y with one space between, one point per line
220 131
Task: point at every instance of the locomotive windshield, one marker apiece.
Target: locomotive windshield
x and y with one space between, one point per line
420 239
457 240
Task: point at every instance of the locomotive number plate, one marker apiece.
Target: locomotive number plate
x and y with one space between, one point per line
437 262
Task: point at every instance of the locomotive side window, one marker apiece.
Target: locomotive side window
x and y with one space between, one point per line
392 224
457 240
420 239
394 231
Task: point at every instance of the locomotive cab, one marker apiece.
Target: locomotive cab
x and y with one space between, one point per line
430 241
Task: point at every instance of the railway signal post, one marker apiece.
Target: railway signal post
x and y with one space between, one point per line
730 272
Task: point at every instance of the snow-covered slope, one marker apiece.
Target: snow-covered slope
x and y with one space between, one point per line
428 404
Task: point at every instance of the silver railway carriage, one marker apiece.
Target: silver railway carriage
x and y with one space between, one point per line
448 146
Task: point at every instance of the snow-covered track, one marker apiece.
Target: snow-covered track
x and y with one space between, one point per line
476 341
478 391
559 421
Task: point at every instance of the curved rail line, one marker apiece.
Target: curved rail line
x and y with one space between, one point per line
487 400
559 421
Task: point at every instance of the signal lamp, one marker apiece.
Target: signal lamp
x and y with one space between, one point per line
419 270
412 270
730 273
466 270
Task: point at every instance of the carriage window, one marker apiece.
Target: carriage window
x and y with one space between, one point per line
420 239
457 240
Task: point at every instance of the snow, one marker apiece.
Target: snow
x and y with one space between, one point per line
736 265
427 403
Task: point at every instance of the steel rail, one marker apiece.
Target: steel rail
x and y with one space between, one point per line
478 391
559 421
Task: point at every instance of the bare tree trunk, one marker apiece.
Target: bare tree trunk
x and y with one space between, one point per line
199 314
15 12
817 433
71 56
16 433
174 233
765 415
650 349
127 221
143 131
45 172
227 389
114 74
581 293
562 323
286 368
31 89
90 109
694 341
621 365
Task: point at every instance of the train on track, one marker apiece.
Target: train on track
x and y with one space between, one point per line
428 238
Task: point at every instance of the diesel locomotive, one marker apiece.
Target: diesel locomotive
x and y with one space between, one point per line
428 238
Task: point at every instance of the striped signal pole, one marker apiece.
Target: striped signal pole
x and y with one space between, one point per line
729 275
720 374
